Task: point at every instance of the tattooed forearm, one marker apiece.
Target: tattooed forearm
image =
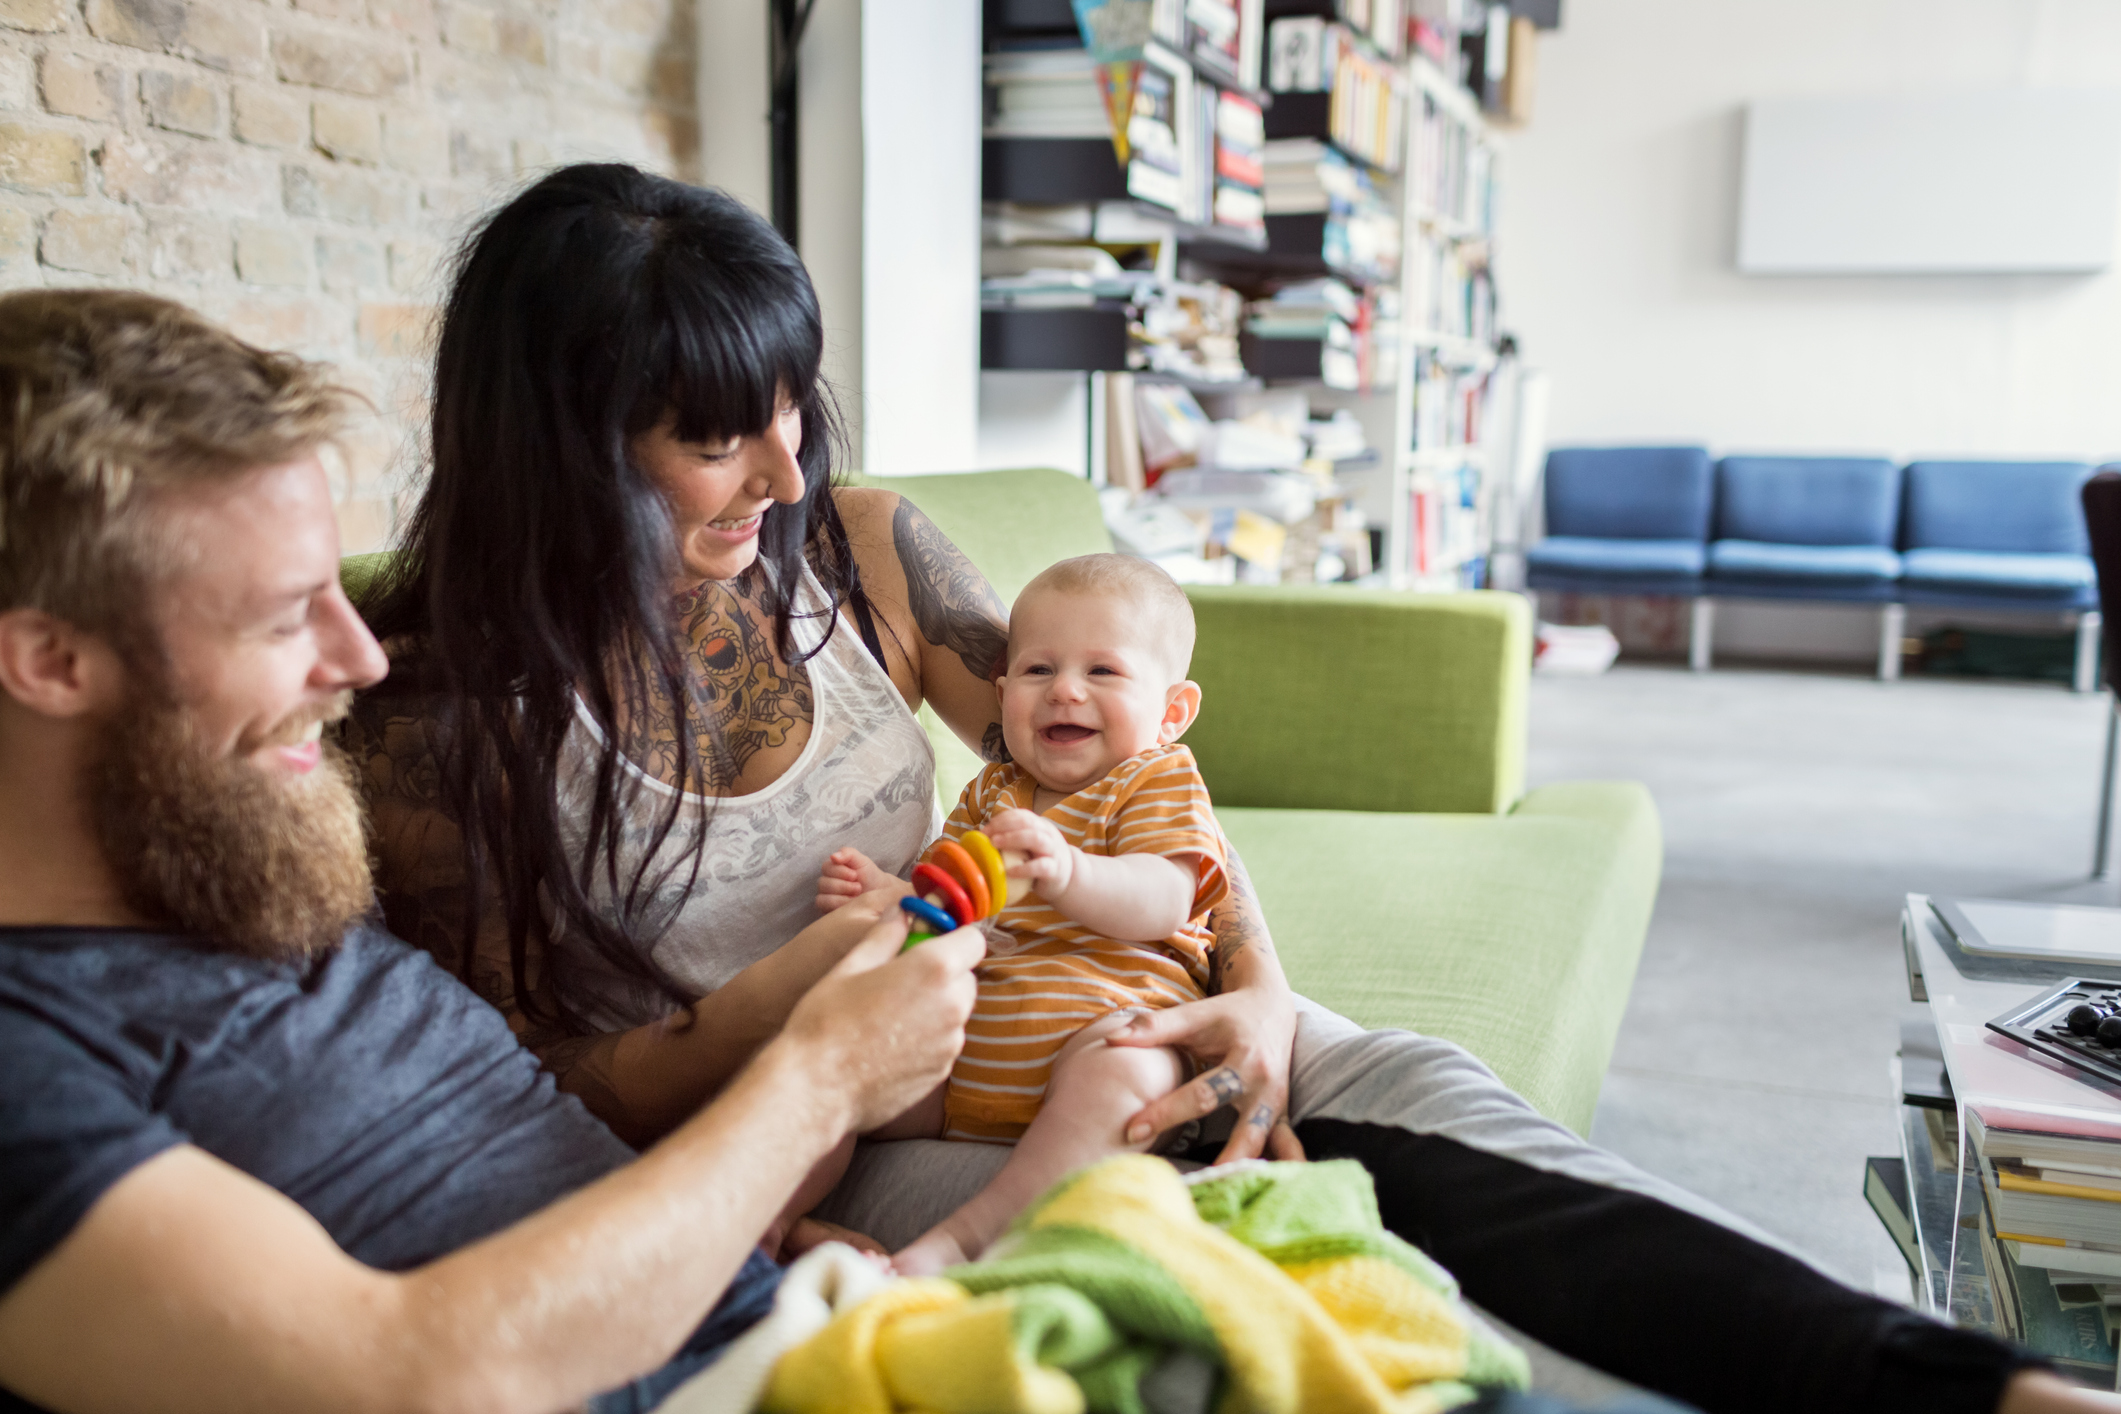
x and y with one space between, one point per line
953 605
1238 923
991 745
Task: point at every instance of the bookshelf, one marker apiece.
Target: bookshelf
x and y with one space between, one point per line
1365 287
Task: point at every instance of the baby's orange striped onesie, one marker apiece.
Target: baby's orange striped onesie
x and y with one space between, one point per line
1047 978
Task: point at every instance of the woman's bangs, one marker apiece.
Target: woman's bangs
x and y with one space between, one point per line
732 360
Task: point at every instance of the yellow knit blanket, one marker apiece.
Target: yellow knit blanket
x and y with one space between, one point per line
1277 1279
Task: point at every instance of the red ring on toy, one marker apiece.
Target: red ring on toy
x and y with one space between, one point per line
953 859
927 876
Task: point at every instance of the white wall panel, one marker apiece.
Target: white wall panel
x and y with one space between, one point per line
2003 181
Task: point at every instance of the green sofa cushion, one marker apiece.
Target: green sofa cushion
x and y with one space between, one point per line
1514 935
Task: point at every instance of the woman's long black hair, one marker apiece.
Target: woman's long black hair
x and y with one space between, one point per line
540 562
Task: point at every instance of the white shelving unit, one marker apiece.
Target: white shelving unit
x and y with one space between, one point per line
1415 466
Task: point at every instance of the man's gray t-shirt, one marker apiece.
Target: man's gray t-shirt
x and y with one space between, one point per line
368 1086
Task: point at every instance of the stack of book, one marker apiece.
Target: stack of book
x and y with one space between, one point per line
1367 114
1044 93
2051 1237
2031 1169
1188 330
1324 317
1361 234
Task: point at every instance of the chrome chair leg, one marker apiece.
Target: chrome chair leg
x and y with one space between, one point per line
1892 627
2086 675
2102 851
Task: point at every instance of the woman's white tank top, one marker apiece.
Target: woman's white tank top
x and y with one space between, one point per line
865 778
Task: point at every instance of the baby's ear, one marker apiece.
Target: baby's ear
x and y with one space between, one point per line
1181 706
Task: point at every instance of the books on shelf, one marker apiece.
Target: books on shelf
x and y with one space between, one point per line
1044 93
1159 132
1367 114
1458 292
1444 536
1448 402
1361 232
1451 171
1240 170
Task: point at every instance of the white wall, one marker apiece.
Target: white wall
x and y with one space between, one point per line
1617 243
1618 235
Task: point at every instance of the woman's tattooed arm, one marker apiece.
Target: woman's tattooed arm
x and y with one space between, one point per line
953 605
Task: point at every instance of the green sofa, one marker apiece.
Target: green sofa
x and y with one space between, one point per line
1366 754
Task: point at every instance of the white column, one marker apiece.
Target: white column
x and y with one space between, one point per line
920 235
1701 629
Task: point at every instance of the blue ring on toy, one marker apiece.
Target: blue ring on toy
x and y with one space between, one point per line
929 914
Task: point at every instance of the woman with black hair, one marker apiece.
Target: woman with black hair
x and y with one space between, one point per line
651 667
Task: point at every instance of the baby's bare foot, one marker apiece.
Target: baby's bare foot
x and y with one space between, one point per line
933 1252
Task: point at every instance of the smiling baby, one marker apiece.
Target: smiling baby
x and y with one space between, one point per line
1124 859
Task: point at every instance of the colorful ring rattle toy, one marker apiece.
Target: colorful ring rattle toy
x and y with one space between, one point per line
959 882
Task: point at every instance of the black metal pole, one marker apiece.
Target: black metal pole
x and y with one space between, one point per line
787 19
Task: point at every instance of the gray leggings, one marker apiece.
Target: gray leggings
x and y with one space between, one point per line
1571 1245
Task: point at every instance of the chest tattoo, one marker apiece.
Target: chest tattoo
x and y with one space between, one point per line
745 699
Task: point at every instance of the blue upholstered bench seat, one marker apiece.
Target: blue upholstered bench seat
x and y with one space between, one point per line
1826 564
1975 578
1996 569
1636 559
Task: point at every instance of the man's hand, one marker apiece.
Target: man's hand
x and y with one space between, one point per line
883 1028
1242 1041
1049 858
849 874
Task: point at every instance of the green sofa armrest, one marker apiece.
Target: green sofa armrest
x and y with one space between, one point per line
1325 698
1514 935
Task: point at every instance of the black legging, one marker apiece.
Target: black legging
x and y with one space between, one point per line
1657 1296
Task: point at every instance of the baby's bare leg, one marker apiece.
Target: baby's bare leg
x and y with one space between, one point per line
1095 1090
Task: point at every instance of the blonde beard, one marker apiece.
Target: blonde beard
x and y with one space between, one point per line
214 847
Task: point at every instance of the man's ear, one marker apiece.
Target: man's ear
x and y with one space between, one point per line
1181 706
54 668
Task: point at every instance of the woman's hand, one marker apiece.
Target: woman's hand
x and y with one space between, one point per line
1242 1041
1049 862
1243 1037
849 874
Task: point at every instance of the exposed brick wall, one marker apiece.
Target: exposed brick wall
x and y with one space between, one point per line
298 170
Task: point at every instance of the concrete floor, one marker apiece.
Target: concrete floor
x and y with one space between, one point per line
1798 808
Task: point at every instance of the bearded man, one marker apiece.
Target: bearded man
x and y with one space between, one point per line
255 1153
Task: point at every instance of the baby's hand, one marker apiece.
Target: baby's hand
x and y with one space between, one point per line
848 875
1050 861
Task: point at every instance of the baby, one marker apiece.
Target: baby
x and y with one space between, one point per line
1124 855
